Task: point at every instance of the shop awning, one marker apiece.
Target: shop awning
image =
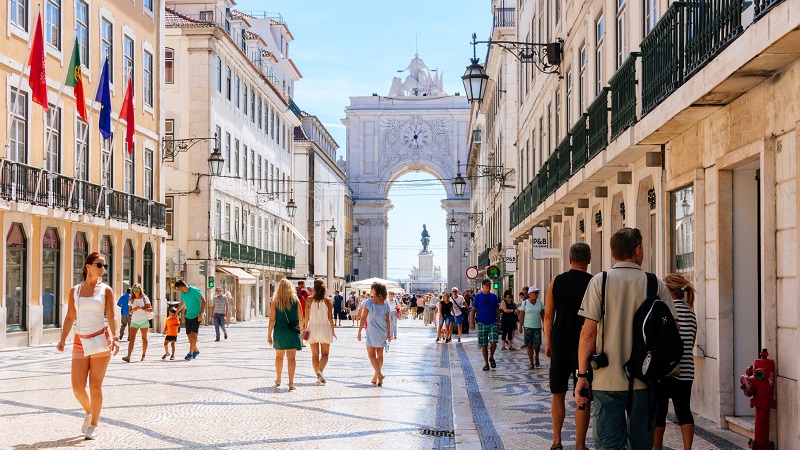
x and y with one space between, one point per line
241 275
296 232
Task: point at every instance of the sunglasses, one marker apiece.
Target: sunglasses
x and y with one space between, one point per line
100 265
136 289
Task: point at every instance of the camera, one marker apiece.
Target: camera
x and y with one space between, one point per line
598 361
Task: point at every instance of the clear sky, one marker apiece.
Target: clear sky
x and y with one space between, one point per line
355 47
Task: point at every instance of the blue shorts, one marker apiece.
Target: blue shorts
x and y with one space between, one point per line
447 319
458 319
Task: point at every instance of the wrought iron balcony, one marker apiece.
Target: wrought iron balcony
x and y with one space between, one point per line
505 17
710 27
763 6
580 143
598 124
294 108
26 184
623 96
662 57
563 169
483 258
241 253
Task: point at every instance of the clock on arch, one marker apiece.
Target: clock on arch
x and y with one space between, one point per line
416 135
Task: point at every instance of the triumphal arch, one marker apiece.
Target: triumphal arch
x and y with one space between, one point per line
418 127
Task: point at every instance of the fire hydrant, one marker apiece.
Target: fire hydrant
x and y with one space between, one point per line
759 383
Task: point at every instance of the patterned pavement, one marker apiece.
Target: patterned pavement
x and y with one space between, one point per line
435 397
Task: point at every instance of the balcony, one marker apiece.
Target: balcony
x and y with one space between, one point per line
580 144
623 96
295 109
483 258
598 124
505 17
26 184
241 253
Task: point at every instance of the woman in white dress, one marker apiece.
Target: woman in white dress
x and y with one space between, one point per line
139 306
319 313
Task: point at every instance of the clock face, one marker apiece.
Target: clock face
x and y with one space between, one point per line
416 136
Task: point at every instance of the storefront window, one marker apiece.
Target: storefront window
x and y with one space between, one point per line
15 301
106 249
147 268
79 253
51 257
127 265
682 205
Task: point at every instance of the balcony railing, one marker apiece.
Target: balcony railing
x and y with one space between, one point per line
549 169
564 161
27 184
234 251
580 144
763 6
483 258
294 108
623 96
662 57
504 17
710 26
598 124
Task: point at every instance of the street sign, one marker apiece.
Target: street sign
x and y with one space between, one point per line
511 260
540 240
472 272
179 257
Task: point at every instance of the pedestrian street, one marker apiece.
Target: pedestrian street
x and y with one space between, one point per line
435 396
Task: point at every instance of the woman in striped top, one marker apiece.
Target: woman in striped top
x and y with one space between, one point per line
679 388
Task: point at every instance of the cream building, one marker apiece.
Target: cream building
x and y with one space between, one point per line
683 125
324 206
64 190
230 76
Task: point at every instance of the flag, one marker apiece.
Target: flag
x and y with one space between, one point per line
75 79
104 97
127 114
38 79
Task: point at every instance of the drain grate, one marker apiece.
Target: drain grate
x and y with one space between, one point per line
437 433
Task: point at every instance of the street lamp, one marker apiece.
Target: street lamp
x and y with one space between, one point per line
216 162
451 242
453 225
332 232
291 208
359 248
475 78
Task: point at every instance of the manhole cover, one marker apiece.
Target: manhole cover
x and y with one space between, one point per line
437 433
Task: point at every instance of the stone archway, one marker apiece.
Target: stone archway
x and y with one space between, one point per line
388 137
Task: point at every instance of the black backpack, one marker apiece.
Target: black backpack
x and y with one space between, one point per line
657 344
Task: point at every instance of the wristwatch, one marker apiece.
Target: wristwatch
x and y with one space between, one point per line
581 375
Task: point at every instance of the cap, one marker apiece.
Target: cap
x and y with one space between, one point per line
533 289
218 288
486 281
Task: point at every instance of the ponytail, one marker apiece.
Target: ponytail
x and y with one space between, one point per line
680 286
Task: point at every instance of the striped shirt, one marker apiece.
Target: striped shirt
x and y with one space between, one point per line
688 323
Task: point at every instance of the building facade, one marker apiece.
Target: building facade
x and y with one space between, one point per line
678 119
229 82
65 191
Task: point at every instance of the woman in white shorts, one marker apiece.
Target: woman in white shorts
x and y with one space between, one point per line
319 313
139 306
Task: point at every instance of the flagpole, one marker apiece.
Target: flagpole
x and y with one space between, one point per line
16 96
78 154
113 146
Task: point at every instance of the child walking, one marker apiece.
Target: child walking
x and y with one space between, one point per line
171 327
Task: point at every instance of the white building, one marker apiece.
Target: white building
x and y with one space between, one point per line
321 204
237 88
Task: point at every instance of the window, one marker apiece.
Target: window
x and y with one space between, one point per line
245 98
81 149
227 152
260 114
244 168
107 250
236 224
107 46
51 247
236 158
148 173
557 118
227 234
272 123
237 92
52 154
622 33
253 167
599 39
18 139
582 80
52 27
107 161
244 228
169 129
650 15
128 268
259 234
169 216
19 13
148 5
228 86
169 65
682 204
218 221
147 269
207 16
127 58
252 105
278 130
82 30
568 101
147 80
128 173
259 173
557 10
16 274
219 74
79 252
252 229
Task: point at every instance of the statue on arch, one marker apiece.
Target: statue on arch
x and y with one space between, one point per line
426 239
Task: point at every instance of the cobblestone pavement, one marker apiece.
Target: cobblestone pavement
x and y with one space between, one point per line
225 398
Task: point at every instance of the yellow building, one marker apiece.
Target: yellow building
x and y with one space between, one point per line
64 190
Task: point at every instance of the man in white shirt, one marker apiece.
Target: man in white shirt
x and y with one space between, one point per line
459 311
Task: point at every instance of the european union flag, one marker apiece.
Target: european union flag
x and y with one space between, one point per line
104 97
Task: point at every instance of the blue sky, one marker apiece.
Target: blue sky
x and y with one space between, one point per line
349 48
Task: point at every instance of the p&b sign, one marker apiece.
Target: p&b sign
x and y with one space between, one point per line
511 260
541 244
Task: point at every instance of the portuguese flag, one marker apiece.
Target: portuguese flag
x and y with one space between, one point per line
75 79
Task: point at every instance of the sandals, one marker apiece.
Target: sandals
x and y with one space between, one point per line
292 388
492 363
503 348
380 380
511 348
557 446
486 367
277 383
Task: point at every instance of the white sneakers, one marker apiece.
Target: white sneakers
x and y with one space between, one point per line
87 421
91 432
321 377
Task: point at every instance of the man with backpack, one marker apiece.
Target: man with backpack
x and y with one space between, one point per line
622 412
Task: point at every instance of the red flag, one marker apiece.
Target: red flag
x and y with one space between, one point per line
127 114
38 79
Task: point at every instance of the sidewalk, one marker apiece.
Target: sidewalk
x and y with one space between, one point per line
509 408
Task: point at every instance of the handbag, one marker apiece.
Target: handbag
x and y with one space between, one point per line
293 326
305 334
94 344
150 314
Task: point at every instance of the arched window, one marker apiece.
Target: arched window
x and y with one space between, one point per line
127 265
79 252
16 298
147 268
51 278
107 250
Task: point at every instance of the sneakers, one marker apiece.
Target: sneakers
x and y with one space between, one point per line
321 377
216 340
91 433
165 356
87 422
447 341
437 340
459 339
172 358
194 355
188 356
226 335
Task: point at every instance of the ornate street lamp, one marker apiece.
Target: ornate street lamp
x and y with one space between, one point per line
332 232
452 224
475 78
216 162
291 208
459 185
359 248
451 242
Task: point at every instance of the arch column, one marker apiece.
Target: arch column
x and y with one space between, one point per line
456 267
371 218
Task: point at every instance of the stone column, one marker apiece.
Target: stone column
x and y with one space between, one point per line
456 268
370 216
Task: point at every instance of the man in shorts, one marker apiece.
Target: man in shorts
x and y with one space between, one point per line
195 305
338 304
485 316
562 327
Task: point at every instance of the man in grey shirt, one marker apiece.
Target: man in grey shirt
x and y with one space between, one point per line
220 302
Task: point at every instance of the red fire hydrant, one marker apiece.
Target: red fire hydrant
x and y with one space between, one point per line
759 383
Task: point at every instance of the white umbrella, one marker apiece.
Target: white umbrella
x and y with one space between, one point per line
363 285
